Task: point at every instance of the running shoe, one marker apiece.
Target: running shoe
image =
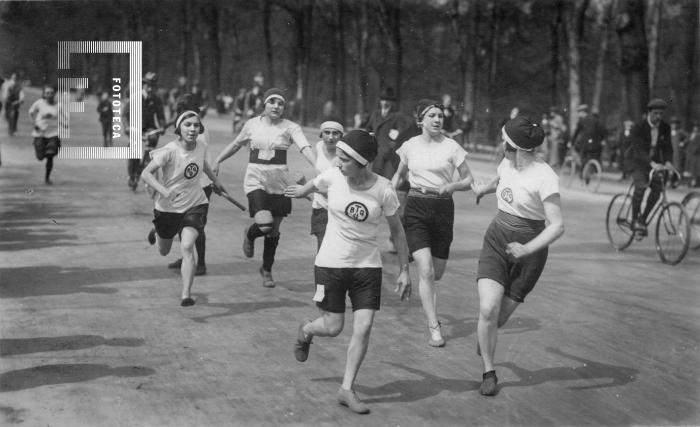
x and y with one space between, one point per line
301 347
268 281
248 245
489 384
152 236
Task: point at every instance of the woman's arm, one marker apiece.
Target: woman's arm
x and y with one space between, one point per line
310 154
150 179
398 236
553 230
227 152
465 182
480 190
400 175
299 191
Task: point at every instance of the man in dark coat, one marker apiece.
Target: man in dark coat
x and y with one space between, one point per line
589 136
650 148
386 123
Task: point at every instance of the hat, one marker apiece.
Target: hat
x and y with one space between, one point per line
657 104
186 115
426 104
387 95
582 107
360 145
523 134
150 78
273 92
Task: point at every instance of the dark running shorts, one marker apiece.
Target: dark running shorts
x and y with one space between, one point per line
362 285
319 220
169 224
428 222
46 147
278 204
517 277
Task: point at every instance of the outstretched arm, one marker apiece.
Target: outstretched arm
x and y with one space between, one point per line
465 182
299 191
400 175
480 190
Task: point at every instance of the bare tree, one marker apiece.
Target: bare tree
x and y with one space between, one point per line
605 18
575 13
634 55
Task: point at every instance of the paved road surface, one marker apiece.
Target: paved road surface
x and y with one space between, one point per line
92 333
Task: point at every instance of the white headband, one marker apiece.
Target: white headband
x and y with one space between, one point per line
330 124
511 142
274 95
181 117
352 153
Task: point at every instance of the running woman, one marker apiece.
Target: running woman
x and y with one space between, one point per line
331 132
180 203
431 159
268 136
44 113
516 243
349 262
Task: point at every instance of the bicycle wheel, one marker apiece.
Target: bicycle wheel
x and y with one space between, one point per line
691 203
567 172
592 172
618 221
672 233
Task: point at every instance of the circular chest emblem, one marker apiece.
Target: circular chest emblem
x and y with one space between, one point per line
357 211
191 170
507 195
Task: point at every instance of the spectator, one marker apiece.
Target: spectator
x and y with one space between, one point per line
386 123
13 97
678 140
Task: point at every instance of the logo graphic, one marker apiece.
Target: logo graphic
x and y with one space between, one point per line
66 106
357 211
191 170
507 195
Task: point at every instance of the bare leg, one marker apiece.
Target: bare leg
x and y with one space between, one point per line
490 297
362 326
187 239
428 290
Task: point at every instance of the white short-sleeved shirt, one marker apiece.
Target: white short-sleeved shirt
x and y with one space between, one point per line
264 141
323 162
521 192
46 118
431 164
353 221
180 170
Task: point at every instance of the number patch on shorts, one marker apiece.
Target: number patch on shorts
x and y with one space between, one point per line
320 293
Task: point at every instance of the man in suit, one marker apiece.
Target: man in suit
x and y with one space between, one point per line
386 123
650 148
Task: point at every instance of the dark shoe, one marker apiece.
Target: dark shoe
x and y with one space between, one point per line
48 181
248 245
489 384
301 347
268 281
175 264
152 236
200 270
349 398
187 302
133 184
640 228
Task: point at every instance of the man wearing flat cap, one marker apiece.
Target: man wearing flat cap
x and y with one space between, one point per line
650 148
588 137
386 123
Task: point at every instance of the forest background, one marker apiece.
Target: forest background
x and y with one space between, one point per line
490 55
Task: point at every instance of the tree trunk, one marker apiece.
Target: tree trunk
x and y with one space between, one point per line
362 63
342 83
554 31
267 15
634 60
653 17
600 65
574 29
494 51
693 57
185 38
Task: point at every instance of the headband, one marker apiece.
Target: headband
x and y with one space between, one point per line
425 110
185 115
352 153
511 142
331 124
274 95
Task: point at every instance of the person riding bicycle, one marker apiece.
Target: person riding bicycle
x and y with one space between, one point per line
152 125
588 137
650 148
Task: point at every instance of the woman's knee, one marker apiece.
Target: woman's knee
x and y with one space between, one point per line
264 221
333 325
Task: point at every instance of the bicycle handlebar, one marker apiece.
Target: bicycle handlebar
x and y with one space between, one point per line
670 169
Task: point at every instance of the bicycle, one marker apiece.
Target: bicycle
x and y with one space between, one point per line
589 176
691 203
672 235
